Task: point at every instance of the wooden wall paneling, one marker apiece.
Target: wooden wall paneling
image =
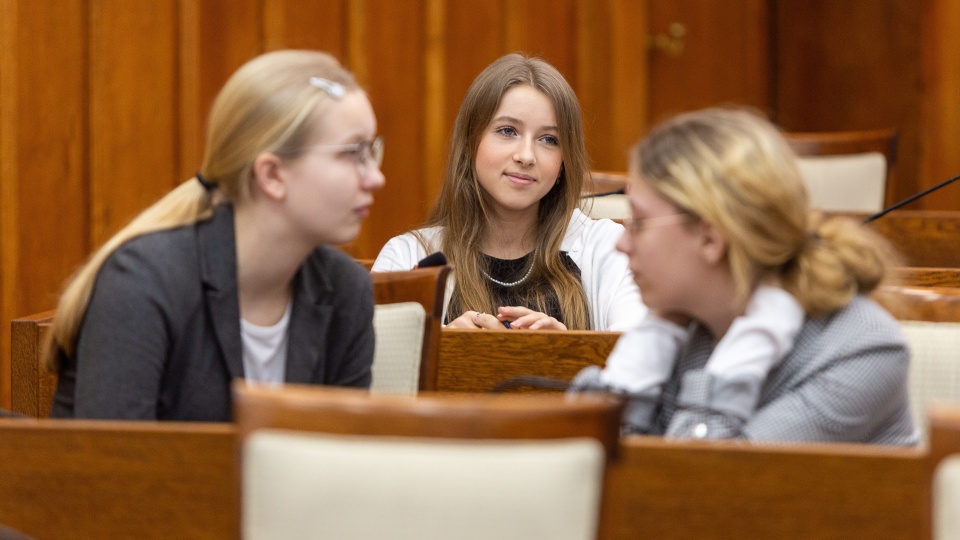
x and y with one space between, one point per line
385 44
544 28
42 158
851 66
474 36
940 109
435 117
215 38
724 60
612 71
133 107
305 24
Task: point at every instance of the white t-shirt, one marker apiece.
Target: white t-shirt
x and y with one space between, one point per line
265 350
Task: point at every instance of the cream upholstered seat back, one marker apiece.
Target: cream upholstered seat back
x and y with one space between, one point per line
845 171
321 462
846 183
310 485
934 365
407 322
399 344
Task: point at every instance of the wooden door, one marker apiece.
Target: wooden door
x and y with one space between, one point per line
705 53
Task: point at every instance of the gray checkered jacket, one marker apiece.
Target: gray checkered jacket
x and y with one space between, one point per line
845 380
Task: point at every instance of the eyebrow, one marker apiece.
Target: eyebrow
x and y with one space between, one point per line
513 120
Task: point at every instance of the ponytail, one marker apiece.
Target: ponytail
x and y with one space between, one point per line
840 259
187 204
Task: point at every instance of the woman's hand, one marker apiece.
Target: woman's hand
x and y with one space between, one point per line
475 319
524 318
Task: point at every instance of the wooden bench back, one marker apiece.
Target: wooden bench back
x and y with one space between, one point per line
32 386
479 360
913 276
728 490
931 304
89 479
928 238
83 479
349 411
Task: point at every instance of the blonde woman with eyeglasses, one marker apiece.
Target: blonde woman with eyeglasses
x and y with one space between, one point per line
231 275
783 342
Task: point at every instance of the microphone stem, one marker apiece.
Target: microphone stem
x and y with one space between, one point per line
909 200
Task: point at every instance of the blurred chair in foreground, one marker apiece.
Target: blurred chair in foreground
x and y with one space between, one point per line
339 463
944 422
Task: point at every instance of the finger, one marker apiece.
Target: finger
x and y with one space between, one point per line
465 320
548 323
527 320
486 320
512 312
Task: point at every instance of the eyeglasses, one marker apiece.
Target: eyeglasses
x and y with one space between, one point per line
364 153
635 226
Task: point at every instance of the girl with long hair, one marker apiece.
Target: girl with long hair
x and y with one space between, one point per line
231 275
508 218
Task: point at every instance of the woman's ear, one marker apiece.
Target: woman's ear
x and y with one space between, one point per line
713 245
268 177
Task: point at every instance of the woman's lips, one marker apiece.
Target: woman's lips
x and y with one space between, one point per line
521 179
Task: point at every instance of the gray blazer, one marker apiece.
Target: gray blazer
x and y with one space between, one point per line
161 336
845 380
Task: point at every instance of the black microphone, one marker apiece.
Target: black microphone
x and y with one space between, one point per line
434 259
621 191
910 199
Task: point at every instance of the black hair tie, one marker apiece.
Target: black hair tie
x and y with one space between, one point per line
207 185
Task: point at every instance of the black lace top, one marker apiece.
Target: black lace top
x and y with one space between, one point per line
513 270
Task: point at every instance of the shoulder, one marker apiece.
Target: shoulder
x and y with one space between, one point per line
168 255
860 326
341 271
867 315
404 251
584 232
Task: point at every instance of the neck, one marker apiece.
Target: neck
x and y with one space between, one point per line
716 305
510 237
267 260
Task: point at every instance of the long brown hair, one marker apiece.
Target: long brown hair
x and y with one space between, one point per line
268 105
462 211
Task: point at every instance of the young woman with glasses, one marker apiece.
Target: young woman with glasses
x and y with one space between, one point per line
231 275
784 344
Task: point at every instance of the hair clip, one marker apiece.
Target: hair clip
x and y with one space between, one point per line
333 89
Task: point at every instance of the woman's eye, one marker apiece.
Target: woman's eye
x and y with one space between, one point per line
351 152
551 140
506 131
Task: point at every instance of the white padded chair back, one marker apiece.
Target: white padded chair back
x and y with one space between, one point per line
614 206
934 365
308 485
845 183
946 499
399 343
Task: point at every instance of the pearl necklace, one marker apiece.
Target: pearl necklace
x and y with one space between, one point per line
505 284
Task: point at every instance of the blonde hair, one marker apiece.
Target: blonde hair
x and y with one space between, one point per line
268 105
461 209
734 170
